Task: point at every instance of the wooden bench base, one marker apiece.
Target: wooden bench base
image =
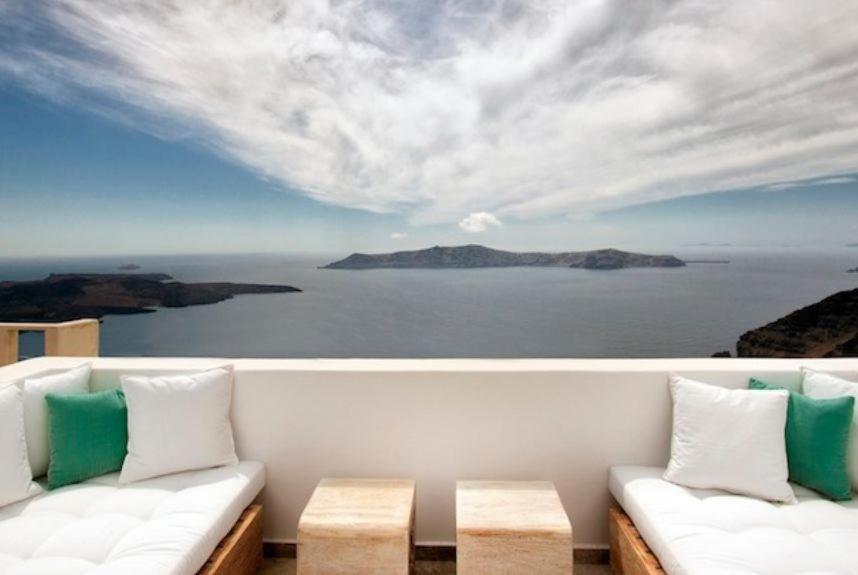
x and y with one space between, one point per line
240 552
630 555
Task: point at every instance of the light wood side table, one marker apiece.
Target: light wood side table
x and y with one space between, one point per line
358 527
511 527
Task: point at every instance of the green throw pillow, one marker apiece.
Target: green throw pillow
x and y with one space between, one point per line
89 435
817 442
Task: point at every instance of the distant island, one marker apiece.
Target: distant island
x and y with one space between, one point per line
128 268
852 271
61 297
828 328
476 256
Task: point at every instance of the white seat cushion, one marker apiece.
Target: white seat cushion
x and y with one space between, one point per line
167 525
710 532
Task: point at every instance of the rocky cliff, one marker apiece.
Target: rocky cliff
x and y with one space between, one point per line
828 328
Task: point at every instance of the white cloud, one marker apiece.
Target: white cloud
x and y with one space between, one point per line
836 180
398 236
781 186
803 183
479 222
434 109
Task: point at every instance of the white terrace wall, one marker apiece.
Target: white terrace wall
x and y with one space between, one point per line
438 421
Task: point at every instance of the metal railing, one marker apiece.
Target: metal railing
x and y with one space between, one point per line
78 338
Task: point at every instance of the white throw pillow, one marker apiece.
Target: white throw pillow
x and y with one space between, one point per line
177 423
36 410
819 385
16 479
733 440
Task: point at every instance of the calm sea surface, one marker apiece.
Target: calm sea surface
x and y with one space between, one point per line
514 312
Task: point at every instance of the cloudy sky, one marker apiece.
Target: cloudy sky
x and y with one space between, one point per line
381 123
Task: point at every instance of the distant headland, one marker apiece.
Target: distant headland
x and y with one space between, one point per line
476 256
61 297
828 328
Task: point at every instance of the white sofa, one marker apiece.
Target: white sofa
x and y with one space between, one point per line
168 525
563 420
709 532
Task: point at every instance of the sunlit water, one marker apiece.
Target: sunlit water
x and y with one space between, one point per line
514 312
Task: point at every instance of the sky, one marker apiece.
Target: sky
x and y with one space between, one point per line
146 127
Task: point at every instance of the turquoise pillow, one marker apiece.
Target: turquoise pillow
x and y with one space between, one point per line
817 442
89 435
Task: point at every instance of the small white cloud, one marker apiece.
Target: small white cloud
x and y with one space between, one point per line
783 186
479 222
834 180
837 180
398 236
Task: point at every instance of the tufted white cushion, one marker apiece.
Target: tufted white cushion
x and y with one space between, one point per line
709 532
168 525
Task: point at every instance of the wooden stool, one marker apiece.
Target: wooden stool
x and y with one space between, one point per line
358 527
508 527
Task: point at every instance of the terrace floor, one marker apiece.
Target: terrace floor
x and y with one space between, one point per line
287 567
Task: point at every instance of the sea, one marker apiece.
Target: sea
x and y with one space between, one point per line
693 311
